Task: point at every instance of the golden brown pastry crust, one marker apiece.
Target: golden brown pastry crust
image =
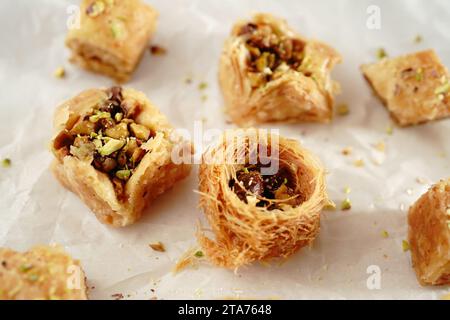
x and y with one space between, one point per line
293 97
155 174
429 235
43 273
244 232
410 87
112 42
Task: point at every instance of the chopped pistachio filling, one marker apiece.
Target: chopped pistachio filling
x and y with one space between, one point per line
279 187
271 53
108 138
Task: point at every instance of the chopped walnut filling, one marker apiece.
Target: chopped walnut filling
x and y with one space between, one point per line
278 187
271 52
108 138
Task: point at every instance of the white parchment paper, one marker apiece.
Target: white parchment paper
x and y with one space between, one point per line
35 209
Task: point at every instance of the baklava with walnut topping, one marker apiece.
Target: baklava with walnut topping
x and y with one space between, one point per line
42 273
429 235
415 88
112 36
269 73
113 148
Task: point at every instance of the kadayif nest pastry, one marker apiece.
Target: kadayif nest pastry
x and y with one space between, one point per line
267 207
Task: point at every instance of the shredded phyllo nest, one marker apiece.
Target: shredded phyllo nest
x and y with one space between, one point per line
271 53
257 215
108 138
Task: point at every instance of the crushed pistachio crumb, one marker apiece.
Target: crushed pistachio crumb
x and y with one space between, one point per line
99 115
346 204
385 234
381 53
343 110
347 151
204 97
157 246
347 190
25 267
389 130
199 254
418 39
60 73
110 147
443 89
118 29
359 163
419 74
6 163
118 117
405 246
202 86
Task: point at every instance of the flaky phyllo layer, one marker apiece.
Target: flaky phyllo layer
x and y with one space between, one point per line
107 138
269 73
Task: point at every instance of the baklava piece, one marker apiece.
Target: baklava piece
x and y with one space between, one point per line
112 36
429 235
259 209
113 149
415 88
269 73
42 273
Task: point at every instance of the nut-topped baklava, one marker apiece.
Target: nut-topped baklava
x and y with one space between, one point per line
269 73
113 148
41 273
112 36
415 88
